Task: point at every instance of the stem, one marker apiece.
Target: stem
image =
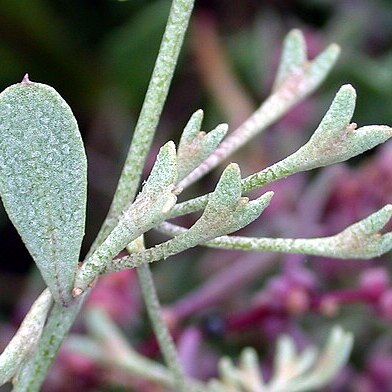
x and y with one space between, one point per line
61 319
126 360
114 351
165 341
277 171
294 89
33 373
24 340
161 331
150 114
361 240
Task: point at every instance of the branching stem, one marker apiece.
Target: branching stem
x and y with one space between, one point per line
61 319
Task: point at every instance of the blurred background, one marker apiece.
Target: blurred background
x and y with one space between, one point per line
99 56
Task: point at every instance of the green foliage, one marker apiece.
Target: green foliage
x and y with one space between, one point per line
293 56
26 338
43 187
43 180
195 146
293 372
362 240
226 212
336 140
150 208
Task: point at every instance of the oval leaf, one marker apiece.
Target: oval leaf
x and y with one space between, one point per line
43 178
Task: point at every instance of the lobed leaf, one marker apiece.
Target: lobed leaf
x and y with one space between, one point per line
363 239
338 115
293 372
196 146
150 207
294 64
191 130
335 139
226 210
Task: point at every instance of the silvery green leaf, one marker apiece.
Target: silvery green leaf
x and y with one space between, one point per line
250 367
196 146
43 179
336 140
295 67
285 355
298 372
289 364
319 68
191 130
293 56
339 114
226 210
331 360
25 339
150 207
363 239
229 374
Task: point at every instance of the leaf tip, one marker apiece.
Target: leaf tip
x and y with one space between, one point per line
199 114
26 79
297 33
224 127
297 36
387 209
334 49
233 167
268 195
348 89
168 150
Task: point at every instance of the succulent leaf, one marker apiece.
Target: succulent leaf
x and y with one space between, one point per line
150 207
43 179
196 146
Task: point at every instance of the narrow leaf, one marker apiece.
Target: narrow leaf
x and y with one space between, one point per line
320 67
293 56
192 128
43 179
195 146
226 210
339 113
363 239
335 139
150 207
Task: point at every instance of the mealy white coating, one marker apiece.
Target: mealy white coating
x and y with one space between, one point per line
43 179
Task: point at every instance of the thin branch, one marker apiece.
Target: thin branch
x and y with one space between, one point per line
117 348
61 319
161 331
112 352
295 88
34 371
335 140
151 112
25 340
361 240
